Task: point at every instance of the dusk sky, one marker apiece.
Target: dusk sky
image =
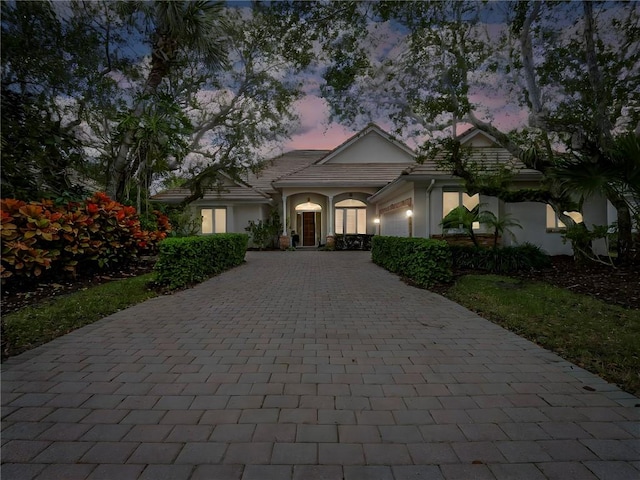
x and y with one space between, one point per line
490 95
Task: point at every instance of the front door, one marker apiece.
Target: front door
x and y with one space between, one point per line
308 229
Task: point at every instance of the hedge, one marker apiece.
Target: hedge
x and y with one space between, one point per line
500 260
188 260
425 262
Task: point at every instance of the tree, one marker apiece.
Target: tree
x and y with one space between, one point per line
461 218
153 89
42 57
458 57
38 156
178 28
500 226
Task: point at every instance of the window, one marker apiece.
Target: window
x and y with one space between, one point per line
351 217
554 223
214 220
451 200
308 207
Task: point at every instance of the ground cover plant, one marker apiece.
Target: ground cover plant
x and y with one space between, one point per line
37 324
598 336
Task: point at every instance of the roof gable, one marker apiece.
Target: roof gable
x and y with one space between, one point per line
478 139
371 145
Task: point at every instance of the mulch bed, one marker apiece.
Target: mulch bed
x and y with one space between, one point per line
619 286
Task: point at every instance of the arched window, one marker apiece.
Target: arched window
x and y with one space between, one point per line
351 217
308 207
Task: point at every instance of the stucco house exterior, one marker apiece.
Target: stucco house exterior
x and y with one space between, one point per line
371 184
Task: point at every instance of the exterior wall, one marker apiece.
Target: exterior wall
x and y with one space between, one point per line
427 215
533 218
238 216
595 212
480 141
242 214
372 148
435 211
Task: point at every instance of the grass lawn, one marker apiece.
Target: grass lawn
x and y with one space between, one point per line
32 326
599 337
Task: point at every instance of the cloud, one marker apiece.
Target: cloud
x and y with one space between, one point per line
326 138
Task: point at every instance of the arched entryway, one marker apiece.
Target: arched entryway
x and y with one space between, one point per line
308 223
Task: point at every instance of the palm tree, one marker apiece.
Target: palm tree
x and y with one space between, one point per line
461 218
193 27
500 225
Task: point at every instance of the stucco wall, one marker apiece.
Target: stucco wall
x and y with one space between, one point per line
533 218
595 212
372 148
241 216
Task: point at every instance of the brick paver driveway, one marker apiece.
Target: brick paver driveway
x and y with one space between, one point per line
308 365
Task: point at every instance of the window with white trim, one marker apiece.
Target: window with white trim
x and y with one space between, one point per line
554 223
451 200
350 217
214 220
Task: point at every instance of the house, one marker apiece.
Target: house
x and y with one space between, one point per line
371 184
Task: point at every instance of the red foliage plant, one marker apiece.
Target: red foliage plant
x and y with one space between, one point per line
98 232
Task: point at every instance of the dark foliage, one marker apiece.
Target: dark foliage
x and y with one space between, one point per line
189 260
425 262
353 242
499 260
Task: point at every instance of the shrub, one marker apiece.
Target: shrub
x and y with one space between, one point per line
499 260
42 236
188 260
425 262
265 233
353 242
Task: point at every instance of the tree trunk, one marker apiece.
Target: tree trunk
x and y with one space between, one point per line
164 51
625 236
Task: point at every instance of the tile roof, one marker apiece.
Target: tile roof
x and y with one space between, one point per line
487 159
283 165
343 174
235 192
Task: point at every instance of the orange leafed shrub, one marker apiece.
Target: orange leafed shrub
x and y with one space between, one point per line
99 232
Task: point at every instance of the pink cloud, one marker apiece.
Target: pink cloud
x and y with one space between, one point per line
316 131
325 137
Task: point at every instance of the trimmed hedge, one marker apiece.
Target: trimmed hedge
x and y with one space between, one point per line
424 261
189 260
500 260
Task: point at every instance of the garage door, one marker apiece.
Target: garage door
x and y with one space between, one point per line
394 224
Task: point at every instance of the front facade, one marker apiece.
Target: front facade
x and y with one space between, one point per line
371 184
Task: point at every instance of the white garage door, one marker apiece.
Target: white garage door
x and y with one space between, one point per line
394 224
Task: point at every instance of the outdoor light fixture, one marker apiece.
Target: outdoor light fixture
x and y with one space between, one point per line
410 218
376 221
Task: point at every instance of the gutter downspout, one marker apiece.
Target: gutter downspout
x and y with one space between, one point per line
428 209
